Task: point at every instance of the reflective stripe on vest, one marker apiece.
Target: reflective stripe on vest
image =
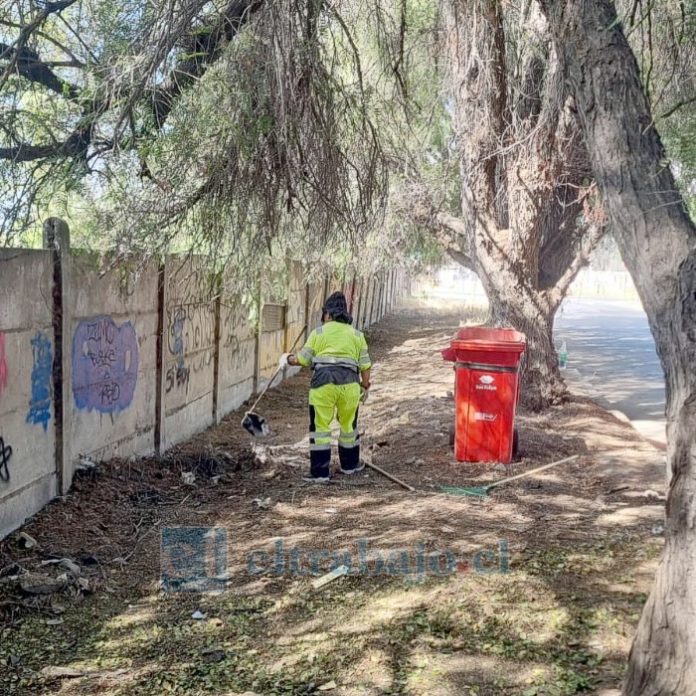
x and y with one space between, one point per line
325 361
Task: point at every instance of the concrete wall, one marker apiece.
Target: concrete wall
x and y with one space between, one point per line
271 347
113 357
99 364
295 319
189 348
315 300
357 303
367 305
237 353
335 283
27 416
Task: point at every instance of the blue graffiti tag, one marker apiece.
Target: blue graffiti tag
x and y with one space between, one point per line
104 365
40 404
177 331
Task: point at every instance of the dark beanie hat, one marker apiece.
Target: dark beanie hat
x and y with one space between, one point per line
337 308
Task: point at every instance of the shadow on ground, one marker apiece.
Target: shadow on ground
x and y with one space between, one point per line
534 590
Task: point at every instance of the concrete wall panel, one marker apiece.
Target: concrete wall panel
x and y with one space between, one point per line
112 346
237 355
189 348
27 418
295 315
335 284
358 300
271 347
148 360
316 300
369 297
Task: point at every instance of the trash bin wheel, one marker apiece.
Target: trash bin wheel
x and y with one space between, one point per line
451 436
515 444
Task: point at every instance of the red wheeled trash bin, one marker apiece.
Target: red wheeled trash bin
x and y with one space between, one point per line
486 363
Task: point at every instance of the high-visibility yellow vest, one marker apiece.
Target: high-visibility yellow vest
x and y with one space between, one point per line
335 344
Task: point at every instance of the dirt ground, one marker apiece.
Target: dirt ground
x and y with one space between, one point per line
534 590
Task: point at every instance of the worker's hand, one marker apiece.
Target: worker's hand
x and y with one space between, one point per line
364 393
284 360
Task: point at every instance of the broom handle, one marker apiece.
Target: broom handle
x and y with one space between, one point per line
384 473
265 389
389 476
276 373
532 471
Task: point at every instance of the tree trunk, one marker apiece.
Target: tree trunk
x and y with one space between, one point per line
523 170
658 245
528 312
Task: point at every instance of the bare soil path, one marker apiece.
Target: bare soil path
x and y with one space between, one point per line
534 590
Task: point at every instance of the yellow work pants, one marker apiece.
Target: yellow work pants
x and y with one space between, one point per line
331 401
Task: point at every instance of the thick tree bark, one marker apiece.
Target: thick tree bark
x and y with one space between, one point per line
522 168
658 244
528 312
513 300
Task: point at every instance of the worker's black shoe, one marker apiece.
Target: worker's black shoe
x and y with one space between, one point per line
350 472
316 479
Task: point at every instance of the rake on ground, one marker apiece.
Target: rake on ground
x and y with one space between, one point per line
483 491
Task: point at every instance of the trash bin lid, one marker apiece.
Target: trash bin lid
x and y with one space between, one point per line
486 345
488 338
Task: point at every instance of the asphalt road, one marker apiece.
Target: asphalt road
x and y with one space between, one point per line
612 358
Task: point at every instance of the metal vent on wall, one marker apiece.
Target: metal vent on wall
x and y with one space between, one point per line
273 317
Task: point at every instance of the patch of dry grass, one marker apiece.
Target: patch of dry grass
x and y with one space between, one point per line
559 622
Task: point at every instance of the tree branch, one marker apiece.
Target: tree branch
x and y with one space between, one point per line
74 60
16 50
28 65
450 232
478 83
202 47
76 145
461 259
591 236
680 105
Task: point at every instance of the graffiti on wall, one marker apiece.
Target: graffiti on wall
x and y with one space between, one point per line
104 365
177 317
178 374
5 455
190 329
3 364
41 376
237 338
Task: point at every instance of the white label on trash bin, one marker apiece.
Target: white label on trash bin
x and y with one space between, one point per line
488 417
486 383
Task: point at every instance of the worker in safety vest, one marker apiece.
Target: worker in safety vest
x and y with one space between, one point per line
337 354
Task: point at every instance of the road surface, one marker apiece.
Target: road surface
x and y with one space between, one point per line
612 359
